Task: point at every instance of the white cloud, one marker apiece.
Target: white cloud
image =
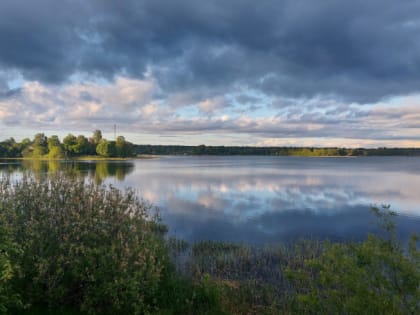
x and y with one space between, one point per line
140 108
210 105
337 142
78 103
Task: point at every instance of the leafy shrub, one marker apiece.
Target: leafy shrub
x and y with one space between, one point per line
82 245
376 276
8 297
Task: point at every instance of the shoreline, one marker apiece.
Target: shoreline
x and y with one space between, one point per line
82 158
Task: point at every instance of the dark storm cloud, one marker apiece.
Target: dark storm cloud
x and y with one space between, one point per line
358 51
37 38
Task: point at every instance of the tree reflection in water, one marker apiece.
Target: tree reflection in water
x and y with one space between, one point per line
98 171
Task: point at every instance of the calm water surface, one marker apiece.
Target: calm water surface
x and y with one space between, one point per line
262 199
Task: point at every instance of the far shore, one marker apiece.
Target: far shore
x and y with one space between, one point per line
84 158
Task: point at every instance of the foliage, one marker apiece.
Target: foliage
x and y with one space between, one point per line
182 296
377 276
80 145
72 146
9 298
56 153
96 137
119 148
82 245
55 148
10 148
274 151
123 148
68 247
106 148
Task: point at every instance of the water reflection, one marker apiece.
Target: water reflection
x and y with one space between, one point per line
265 199
262 199
98 171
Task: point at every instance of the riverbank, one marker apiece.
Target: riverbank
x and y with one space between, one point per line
83 158
99 158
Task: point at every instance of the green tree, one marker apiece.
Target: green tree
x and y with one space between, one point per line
201 149
94 141
69 142
53 141
82 145
55 148
106 148
10 148
123 148
97 136
39 145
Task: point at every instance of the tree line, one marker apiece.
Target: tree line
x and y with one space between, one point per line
71 146
275 151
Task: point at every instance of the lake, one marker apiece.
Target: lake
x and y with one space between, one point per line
260 200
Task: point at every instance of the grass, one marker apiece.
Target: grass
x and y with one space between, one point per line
249 279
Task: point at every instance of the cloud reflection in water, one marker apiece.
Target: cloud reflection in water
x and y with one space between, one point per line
268 199
261 199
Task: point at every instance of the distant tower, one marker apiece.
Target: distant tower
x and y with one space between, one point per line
115 132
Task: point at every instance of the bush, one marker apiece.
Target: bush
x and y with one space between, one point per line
81 245
376 276
8 297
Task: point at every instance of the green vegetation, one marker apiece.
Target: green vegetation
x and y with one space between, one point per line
82 246
71 247
71 147
377 276
275 151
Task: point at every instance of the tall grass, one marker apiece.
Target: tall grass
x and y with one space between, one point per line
250 280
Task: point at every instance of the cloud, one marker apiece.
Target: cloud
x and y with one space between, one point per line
79 103
254 202
270 69
208 106
136 106
362 51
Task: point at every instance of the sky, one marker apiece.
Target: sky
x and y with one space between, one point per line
215 72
